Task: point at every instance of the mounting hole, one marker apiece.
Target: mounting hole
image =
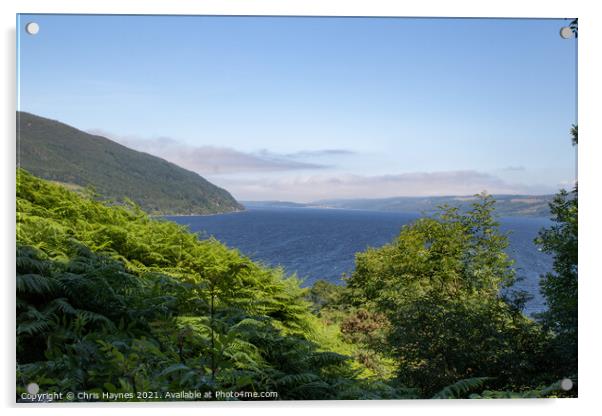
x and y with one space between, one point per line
566 33
566 384
33 388
32 28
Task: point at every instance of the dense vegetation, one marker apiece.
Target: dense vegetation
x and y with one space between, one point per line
55 151
433 310
436 289
110 300
560 287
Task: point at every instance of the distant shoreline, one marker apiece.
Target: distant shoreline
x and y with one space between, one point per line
506 205
198 215
499 216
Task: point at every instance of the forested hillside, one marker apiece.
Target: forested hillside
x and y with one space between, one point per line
58 152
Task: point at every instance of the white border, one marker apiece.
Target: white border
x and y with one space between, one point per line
589 171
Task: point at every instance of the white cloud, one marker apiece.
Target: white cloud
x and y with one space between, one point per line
214 160
319 153
316 187
268 176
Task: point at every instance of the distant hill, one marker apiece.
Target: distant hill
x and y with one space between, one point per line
58 152
273 204
506 205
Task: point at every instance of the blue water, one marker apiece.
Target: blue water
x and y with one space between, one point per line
321 243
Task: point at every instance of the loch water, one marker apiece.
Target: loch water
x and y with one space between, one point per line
320 243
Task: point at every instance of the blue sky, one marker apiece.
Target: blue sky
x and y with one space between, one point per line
308 108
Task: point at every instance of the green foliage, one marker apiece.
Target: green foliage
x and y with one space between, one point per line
110 300
460 388
560 287
449 254
553 390
575 134
438 285
61 153
357 333
323 294
365 327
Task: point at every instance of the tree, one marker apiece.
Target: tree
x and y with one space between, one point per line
324 294
560 286
575 27
574 129
438 285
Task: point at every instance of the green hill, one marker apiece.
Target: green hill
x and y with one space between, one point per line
61 153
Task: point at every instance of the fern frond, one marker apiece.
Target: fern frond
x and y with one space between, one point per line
32 327
33 283
296 379
460 388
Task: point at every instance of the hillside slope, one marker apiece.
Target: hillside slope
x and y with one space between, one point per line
58 152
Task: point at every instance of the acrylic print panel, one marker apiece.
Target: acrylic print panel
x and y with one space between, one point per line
295 208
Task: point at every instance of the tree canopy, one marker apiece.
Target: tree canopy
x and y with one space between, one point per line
439 285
